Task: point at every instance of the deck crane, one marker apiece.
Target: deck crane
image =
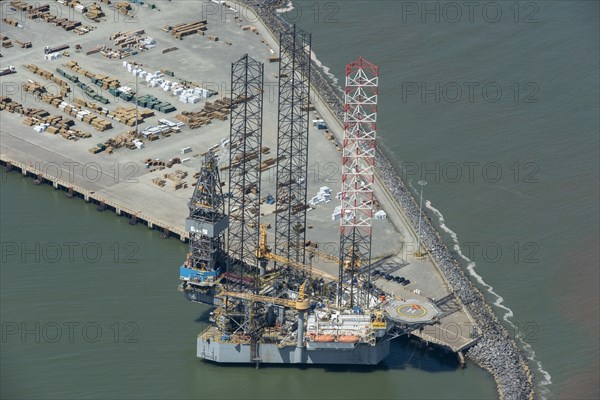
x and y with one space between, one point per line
263 253
302 303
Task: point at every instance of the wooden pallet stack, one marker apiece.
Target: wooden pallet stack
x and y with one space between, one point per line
31 113
173 161
179 31
95 12
58 124
123 140
219 109
74 66
159 182
129 39
65 88
194 119
11 22
98 123
37 89
126 115
20 6
104 81
6 43
35 12
124 7
22 44
42 12
177 178
8 104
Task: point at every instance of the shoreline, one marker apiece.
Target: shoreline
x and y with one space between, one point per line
495 352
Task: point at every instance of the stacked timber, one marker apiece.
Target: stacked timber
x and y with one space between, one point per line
129 39
177 178
219 109
154 163
270 162
173 161
20 6
40 92
54 124
6 103
126 115
6 43
11 22
35 113
169 49
104 81
95 12
123 140
194 119
22 44
42 12
124 7
37 89
189 28
64 85
159 182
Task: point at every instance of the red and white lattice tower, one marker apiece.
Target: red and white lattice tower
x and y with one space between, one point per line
358 178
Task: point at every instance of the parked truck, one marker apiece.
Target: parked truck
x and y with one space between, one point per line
48 49
8 71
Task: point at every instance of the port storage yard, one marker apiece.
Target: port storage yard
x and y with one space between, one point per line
128 183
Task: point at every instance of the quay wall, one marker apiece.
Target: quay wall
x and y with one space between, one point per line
104 203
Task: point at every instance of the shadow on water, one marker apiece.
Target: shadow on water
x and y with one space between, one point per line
202 318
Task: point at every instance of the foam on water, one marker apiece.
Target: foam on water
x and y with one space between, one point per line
499 302
327 71
289 7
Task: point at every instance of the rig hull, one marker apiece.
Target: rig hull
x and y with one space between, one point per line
354 354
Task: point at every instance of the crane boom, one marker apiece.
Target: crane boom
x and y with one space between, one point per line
301 303
263 252
325 256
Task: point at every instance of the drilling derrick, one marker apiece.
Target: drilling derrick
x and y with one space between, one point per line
245 142
358 177
206 224
244 165
292 144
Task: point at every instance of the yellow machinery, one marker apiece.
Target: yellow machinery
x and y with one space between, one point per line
264 253
302 303
332 258
322 254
